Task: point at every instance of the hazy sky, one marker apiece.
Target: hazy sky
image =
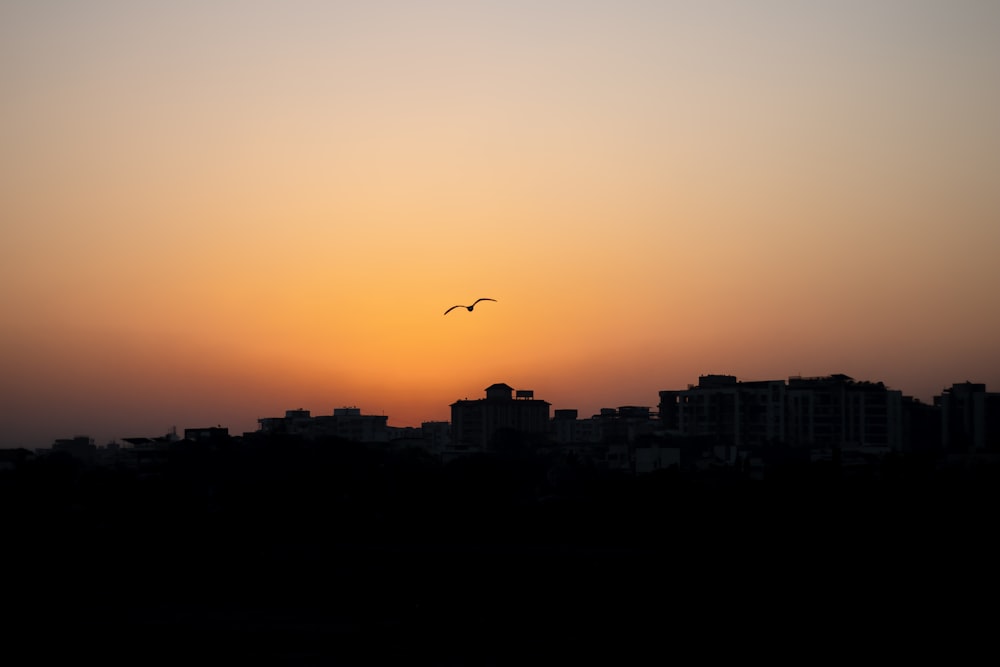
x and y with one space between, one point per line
214 211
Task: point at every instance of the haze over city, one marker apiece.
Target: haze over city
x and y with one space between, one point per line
214 212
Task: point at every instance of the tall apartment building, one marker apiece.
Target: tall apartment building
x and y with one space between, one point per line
720 407
836 411
970 418
475 423
816 413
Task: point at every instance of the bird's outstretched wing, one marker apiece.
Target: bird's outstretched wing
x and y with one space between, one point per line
468 308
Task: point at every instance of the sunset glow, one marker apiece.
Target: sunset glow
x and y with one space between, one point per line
213 212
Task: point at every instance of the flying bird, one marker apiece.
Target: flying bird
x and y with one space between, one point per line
468 308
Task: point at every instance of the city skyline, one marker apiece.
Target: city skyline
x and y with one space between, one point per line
243 426
214 211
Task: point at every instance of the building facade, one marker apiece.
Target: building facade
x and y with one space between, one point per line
345 423
819 413
721 408
970 418
476 424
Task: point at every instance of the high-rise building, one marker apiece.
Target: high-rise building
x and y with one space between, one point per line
726 410
819 413
970 418
836 411
476 423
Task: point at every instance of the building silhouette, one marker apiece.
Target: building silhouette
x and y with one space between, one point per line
209 434
346 423
821 414
970 418
80 447
720 421
476 423
726 410
838 412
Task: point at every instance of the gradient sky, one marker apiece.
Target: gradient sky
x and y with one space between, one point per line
214 211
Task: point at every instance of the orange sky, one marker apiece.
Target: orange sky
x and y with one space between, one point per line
216 211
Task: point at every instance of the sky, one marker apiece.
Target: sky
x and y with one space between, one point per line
213 211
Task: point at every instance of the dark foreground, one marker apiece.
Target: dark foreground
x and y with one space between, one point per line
466 570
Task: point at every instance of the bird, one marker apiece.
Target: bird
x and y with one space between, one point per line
468 308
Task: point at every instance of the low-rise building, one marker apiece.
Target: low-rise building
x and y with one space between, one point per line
347 423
